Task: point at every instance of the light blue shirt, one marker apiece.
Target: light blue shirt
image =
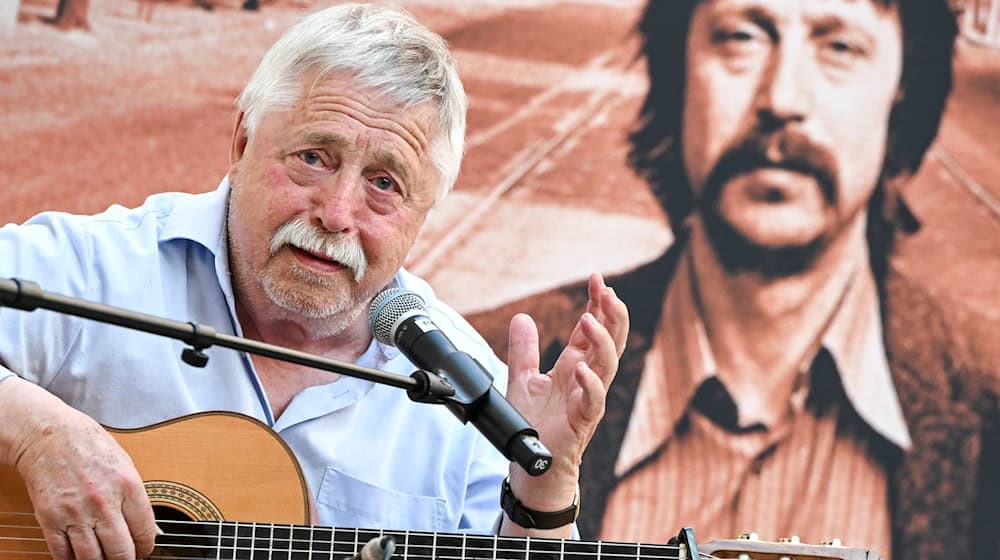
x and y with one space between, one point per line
371 457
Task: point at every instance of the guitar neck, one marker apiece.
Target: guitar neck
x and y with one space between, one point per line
265 541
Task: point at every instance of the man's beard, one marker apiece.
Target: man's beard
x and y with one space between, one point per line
315 296
736 251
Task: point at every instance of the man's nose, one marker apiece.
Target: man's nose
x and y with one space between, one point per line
785 93
336 201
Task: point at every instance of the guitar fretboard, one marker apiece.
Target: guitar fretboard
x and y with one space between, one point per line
261 541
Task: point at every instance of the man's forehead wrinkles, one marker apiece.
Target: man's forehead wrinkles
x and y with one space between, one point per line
372 118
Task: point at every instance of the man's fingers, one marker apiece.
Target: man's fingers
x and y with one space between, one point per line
610 311
595 290
602 354
593 392
59 545
141 521
84 542
615 318
124 534
145 541
115 538
522 351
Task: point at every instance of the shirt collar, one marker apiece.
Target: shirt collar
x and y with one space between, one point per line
200 218
854 340
680 361
677 363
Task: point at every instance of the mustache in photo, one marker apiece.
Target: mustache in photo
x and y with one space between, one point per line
759 149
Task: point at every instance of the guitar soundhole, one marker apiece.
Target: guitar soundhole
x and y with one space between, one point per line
194 505
166 513
184 537
188 519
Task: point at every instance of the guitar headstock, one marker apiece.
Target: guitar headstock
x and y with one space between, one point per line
748 547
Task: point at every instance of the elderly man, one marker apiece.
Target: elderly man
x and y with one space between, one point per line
781 376
347 134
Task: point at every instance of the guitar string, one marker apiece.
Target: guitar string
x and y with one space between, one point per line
170 554
171 550
410 553
701 555
353 545
489 540
475 539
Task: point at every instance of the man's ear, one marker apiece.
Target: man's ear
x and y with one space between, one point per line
240 141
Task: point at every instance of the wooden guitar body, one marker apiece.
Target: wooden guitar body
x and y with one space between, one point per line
210 466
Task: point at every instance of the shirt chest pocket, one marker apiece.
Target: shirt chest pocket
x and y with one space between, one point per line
347 501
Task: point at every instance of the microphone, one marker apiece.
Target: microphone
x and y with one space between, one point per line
399 318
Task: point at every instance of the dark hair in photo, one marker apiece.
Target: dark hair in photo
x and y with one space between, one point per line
929 29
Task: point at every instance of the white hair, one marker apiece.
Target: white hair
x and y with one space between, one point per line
386 50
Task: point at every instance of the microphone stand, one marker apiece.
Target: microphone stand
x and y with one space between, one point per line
421 386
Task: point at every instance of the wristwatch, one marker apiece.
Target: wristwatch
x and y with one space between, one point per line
532 519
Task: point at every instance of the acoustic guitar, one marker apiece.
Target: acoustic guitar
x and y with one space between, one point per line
225 486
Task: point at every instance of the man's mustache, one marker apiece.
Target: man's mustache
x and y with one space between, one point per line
787 149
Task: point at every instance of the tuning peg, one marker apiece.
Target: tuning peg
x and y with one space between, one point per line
746 537
794 539
832 542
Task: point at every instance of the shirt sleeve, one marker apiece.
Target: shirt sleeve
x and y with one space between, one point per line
482 495
50 250
5 374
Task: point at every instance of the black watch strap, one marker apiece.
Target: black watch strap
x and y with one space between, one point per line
531 519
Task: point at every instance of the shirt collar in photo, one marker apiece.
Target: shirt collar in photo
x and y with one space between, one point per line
680 362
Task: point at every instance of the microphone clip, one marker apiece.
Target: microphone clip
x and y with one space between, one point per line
200 339
431 388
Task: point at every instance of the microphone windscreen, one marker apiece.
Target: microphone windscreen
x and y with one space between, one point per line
387 308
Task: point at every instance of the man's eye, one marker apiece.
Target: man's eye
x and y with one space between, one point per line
843 52
737 36
384 183
311 158
739 40
845 47
734 35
